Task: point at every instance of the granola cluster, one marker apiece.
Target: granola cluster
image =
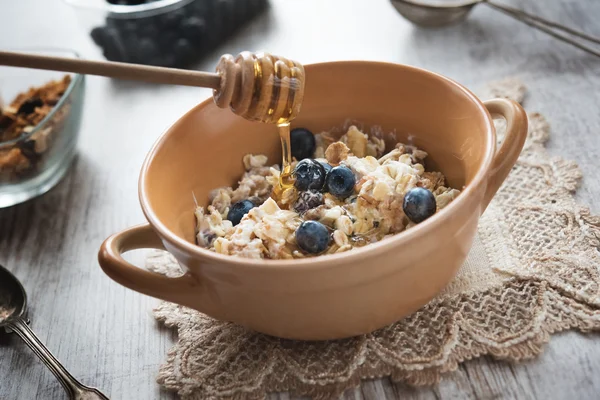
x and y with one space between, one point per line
371 213
18 120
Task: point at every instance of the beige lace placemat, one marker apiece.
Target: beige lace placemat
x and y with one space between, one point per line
533 270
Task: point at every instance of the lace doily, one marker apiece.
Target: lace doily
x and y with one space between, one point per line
533 270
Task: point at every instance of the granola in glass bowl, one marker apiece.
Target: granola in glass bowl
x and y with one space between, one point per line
348 192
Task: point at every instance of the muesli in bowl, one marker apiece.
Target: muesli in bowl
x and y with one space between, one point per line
328 296
347 192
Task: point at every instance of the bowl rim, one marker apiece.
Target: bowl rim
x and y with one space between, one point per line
132 11
437 6
75 81
326 261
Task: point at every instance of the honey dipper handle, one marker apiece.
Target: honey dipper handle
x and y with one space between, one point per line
118 70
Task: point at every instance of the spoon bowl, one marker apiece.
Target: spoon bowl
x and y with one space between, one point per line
13 299
13 305
436 14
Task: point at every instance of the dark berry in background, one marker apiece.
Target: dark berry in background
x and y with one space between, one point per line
176 38
302 143
113 47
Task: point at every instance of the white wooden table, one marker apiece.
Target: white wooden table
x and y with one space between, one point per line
105 334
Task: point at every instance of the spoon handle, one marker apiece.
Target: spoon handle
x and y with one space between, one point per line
517 11
545 26
76 390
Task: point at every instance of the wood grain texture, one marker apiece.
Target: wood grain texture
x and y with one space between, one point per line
105 334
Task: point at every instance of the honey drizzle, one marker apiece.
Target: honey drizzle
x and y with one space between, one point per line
286 80
286 179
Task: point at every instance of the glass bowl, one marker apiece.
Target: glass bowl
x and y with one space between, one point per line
38 130
168 33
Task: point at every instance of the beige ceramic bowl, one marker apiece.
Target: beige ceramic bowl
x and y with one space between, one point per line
331 296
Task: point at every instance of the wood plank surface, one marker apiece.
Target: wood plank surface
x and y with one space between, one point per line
105 334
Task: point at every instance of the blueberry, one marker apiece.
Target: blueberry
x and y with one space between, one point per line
193 29
201 8
302 142
225 13
238 210
308 200
312 237
146 50
341 181
167 40
168 60
309 174
183 51
97 35
172 19
130 27
326 166
149 30
419 204
30 105
114 50
256 6
241 10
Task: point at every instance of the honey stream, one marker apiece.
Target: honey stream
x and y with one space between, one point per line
286 179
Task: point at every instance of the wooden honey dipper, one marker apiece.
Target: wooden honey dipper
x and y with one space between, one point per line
260 86
256 86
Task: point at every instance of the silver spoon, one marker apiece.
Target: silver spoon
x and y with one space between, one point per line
13 305
435 14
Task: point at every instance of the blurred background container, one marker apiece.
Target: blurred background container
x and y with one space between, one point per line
36 159
170 33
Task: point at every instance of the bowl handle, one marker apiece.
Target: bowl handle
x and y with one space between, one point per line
110 257
514 140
